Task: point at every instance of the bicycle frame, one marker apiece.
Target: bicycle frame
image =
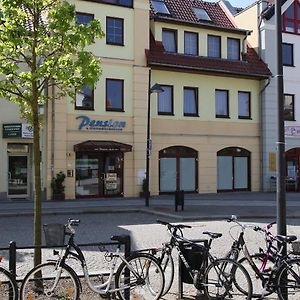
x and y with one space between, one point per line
77 254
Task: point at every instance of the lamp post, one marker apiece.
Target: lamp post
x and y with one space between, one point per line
156 88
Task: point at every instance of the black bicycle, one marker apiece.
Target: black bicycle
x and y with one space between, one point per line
216 277
8 285
138 276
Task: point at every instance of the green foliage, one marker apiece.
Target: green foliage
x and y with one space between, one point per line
41 46
57 183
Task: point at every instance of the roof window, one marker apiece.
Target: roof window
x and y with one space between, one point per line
201 14
160 7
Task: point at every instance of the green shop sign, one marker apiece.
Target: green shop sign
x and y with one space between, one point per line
17 130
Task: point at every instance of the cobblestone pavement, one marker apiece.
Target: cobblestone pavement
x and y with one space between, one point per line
142 228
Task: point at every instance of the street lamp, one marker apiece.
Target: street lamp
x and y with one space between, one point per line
156 88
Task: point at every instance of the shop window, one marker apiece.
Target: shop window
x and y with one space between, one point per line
190 43
85 99
287 54
165 101
233 49
169 40
178 169
115 95
244 105
289 109
222 104
190 102
291 18
83 18
214 46
114 31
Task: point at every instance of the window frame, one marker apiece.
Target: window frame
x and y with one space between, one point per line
174 31
292 54
293 109
227 116
197 42
249 106
107 108
84 14
86 108
220 46
195 89
295 20
239 48
112 43
171 113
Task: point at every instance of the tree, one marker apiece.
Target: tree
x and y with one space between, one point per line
41 46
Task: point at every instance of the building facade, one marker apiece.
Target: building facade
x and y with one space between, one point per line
261 19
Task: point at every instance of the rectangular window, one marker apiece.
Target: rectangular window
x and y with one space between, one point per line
214 46
287 54
160 7
126 3
233 49
244 105
222 104
114 95
85 99
114 31
190 102
165 101
190 43
289 107
169 40
83 18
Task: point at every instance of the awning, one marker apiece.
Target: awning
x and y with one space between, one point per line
102 146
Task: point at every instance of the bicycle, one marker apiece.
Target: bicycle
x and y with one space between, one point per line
269 266
139 276
8 285
216 278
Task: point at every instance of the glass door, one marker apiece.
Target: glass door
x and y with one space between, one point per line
17 176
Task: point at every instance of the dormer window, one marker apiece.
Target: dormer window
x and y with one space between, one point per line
201 14
160 7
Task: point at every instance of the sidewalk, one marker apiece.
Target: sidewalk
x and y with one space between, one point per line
197 207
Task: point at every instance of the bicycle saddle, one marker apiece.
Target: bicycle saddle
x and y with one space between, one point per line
213 235
286 238
120 238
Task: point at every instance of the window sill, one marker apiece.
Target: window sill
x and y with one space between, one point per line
222 117
191 115
289 120
165 114
116 110
115 44
85 108
245 118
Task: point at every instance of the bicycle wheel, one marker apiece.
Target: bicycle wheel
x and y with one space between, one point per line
8 286
167 264
140 278
288 280
47 281
257 283
220 277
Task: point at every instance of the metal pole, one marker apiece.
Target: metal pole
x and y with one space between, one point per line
12 264
281 171
147 193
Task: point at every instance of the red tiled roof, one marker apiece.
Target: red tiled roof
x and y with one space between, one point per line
251 66
182 11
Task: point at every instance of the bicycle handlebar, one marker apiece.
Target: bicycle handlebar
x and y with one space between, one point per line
72 222
179 226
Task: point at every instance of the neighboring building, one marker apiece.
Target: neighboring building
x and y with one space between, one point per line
99 140
206 124
260 18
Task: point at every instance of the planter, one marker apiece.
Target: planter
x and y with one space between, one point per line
60 196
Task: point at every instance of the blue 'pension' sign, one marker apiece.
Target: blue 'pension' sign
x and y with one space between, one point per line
90 124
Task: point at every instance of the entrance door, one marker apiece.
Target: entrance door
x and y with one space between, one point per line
99 175
17 176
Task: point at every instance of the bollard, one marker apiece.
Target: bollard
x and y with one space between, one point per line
179 200
127 244
12 264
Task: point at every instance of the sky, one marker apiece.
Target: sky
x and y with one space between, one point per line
237 3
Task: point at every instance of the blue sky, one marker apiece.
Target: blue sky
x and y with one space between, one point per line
238 3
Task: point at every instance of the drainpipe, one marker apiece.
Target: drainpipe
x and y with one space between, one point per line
260 19
261 127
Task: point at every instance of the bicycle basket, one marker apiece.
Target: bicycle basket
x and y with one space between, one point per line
296 247
54 234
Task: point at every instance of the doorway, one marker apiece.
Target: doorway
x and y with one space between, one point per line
292 169
178 170
233 170
18 185
99 174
